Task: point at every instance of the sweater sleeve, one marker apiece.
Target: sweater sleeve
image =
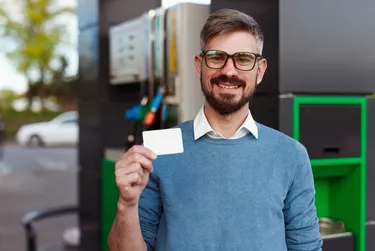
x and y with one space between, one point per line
150 210
301 221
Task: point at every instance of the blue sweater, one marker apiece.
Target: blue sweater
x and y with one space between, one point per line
241 194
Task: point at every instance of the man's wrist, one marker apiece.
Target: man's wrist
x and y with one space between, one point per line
123 206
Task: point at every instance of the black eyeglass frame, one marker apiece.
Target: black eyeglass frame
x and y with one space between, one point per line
257 57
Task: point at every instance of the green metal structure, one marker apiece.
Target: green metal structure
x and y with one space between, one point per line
109 197
340 183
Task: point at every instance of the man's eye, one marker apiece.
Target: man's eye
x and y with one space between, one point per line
216 58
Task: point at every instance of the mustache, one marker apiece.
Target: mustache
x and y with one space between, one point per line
224 78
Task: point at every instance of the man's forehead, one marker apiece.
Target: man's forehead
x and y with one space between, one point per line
233 42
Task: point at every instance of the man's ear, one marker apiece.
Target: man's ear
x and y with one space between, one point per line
261 69
198 66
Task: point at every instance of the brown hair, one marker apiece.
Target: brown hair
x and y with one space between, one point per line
228 20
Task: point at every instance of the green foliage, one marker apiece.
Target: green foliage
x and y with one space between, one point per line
36 35
62 87
7 97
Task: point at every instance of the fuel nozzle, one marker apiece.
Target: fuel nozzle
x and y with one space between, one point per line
151 115
135 112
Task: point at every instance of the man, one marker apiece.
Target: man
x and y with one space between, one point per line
239 185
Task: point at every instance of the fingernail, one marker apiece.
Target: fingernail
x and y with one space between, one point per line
154 156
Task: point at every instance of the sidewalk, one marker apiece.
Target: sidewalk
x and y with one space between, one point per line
21 192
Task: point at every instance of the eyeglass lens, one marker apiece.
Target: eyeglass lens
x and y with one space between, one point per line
242 60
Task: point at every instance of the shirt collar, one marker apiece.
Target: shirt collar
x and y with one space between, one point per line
202 127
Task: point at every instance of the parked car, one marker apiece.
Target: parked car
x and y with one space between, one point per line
61 130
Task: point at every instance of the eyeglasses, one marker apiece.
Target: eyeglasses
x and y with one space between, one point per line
243 61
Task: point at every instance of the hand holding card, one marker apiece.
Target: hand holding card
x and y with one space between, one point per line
165 141
132 173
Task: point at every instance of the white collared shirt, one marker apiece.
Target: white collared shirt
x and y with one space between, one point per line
202 127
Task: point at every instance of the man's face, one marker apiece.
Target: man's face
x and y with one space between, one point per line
229 89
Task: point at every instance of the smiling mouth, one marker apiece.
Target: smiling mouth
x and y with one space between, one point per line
229 86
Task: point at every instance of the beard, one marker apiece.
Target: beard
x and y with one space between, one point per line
224 104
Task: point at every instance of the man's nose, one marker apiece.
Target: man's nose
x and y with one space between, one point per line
229 69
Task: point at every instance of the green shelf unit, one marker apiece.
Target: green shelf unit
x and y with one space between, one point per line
340 183
109 195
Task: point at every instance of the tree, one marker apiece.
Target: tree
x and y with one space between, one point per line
36 35
62 87
7 97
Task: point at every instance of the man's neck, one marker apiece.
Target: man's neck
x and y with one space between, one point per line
226 125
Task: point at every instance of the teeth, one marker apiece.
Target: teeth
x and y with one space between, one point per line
229 86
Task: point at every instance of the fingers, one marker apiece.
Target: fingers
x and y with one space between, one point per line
146 152
132 168
131 179
127 177
132 172
135 157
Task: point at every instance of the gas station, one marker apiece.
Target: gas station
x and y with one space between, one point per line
136 71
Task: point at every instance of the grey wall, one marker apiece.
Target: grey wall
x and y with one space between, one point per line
327 46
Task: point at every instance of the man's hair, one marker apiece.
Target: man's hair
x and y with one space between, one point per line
228 20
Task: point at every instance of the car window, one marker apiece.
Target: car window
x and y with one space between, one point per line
65 116
69 121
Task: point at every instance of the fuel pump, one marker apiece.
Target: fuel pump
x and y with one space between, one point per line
171 93
136 114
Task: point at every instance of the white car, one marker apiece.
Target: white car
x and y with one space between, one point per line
62 130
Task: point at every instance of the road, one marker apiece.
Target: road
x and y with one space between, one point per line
33 179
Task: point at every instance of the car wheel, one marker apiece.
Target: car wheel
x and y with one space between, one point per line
35 141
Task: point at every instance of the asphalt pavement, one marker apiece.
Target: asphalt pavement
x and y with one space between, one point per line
33 179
